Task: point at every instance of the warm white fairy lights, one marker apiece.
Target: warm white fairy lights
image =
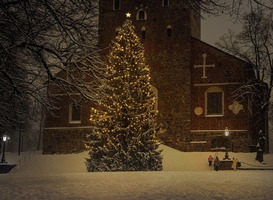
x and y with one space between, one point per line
125 116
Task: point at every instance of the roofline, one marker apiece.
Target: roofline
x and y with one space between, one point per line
193 38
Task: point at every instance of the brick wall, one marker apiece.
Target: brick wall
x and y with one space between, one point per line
228 74
68 140
171 61
168 57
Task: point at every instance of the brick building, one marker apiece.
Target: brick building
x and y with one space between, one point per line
194 82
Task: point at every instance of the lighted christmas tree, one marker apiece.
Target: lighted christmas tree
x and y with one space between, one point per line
125 119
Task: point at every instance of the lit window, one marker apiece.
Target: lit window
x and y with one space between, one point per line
165 3
169 31
74 113
141 15
214 101
116 5
143 32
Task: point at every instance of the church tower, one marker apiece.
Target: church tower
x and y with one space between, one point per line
194 82
166 28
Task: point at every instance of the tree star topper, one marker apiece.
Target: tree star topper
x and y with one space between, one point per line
128 15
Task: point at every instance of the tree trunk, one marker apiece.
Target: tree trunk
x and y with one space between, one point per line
40 130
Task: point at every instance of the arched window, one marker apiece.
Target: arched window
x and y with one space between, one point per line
116 4
165 3
214 100
169 31
143 32
141 15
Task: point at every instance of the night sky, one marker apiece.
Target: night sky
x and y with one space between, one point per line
212 28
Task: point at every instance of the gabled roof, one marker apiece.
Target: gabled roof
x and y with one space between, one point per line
217 49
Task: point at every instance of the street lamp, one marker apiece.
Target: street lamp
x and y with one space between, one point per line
226 132
5 137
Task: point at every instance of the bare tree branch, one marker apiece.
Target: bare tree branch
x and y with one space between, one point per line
39 40
254 45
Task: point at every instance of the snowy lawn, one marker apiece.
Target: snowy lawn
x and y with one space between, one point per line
185 176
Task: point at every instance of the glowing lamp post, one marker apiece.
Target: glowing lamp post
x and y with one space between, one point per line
5 137
4 166
226 154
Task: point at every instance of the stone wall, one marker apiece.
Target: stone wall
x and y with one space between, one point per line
64 141
216 141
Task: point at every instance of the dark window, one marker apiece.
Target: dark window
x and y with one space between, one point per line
116 4
165 3
75 113
169 32
141 15
214 103
117 32
143 33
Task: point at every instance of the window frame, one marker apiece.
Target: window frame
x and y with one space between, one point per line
214 89
71 111
165 3
116 4
143 32
117 30
144 15
169 31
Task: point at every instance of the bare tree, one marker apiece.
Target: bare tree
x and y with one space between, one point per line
38 39
254 45
235 7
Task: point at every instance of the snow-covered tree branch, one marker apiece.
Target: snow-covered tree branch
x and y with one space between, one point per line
125 118
39 39
254 44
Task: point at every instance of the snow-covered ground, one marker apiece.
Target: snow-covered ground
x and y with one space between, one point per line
184 176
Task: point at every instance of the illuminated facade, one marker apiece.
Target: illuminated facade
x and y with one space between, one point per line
193 80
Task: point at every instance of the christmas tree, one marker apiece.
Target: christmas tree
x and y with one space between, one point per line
125 119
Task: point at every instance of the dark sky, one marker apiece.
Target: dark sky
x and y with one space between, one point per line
212 28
